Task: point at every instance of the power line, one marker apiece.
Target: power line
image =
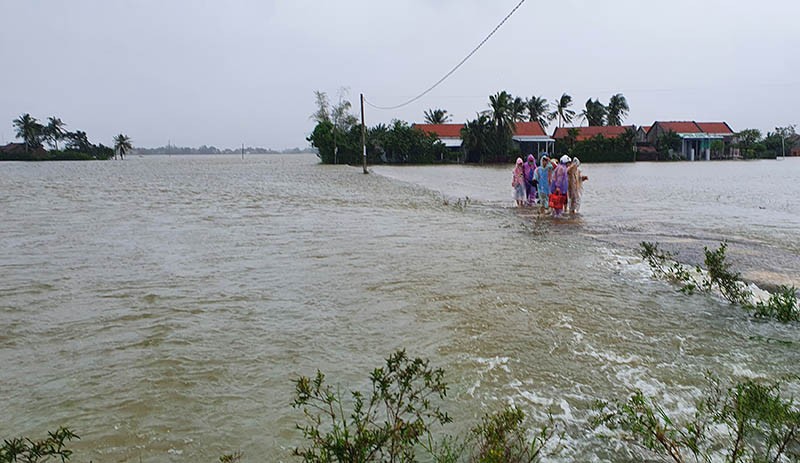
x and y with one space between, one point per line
460 63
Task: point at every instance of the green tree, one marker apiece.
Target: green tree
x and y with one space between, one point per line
594 113
518 109
668 143
787 136
562 114
476 136
503 120
323 112
29 130
617 109
750 143
538 110
717 147
78 141
340 131
437 116
54 131
122 144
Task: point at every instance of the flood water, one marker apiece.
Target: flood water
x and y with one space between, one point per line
161 306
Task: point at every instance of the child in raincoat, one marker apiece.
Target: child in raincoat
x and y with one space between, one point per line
559 186
518 183
542 177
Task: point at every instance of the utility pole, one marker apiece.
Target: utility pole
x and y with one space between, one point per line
363 135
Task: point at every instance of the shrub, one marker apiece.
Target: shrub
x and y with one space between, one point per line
748 421
30 451
502 438
387 425
781 305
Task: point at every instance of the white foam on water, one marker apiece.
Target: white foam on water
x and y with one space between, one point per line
492 363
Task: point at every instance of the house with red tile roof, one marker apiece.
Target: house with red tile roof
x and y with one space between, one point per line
449 134
696 137
586 133
530 136
641 133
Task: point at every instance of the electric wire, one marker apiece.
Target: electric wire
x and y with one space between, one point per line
460 63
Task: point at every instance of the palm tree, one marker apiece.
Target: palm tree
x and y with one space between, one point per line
29 130
437 116
122 144
563 114
504 124
518 109
537 110
54 131
476 136
617 109
595 112
502 112
78 140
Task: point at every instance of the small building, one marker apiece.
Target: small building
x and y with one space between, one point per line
529 136
449 134
18 152
795 152
586 133
532 139
696 137
641 133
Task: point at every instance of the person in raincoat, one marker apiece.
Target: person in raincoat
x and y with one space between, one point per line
542 177
559 186
518 183
530 182
575 185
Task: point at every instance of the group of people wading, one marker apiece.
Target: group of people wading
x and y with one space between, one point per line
554 186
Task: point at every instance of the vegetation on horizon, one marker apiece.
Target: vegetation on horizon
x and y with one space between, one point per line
34 135
487 138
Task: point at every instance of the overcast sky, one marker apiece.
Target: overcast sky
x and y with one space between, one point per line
244 71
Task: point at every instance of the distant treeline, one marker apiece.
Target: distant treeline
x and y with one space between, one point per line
203 149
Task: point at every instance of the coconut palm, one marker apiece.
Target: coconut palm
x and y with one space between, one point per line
54 131
122 144
437 116
78 140
476 136
562 113
518 109
538 110
617 109
502 112
594 113
29 130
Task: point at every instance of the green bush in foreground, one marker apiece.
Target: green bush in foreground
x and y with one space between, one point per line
781 305
394 422
746 422
30 451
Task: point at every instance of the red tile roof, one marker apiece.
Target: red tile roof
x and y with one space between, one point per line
523 129
679 126
646 128
442 130
715 127
585 133
529 129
